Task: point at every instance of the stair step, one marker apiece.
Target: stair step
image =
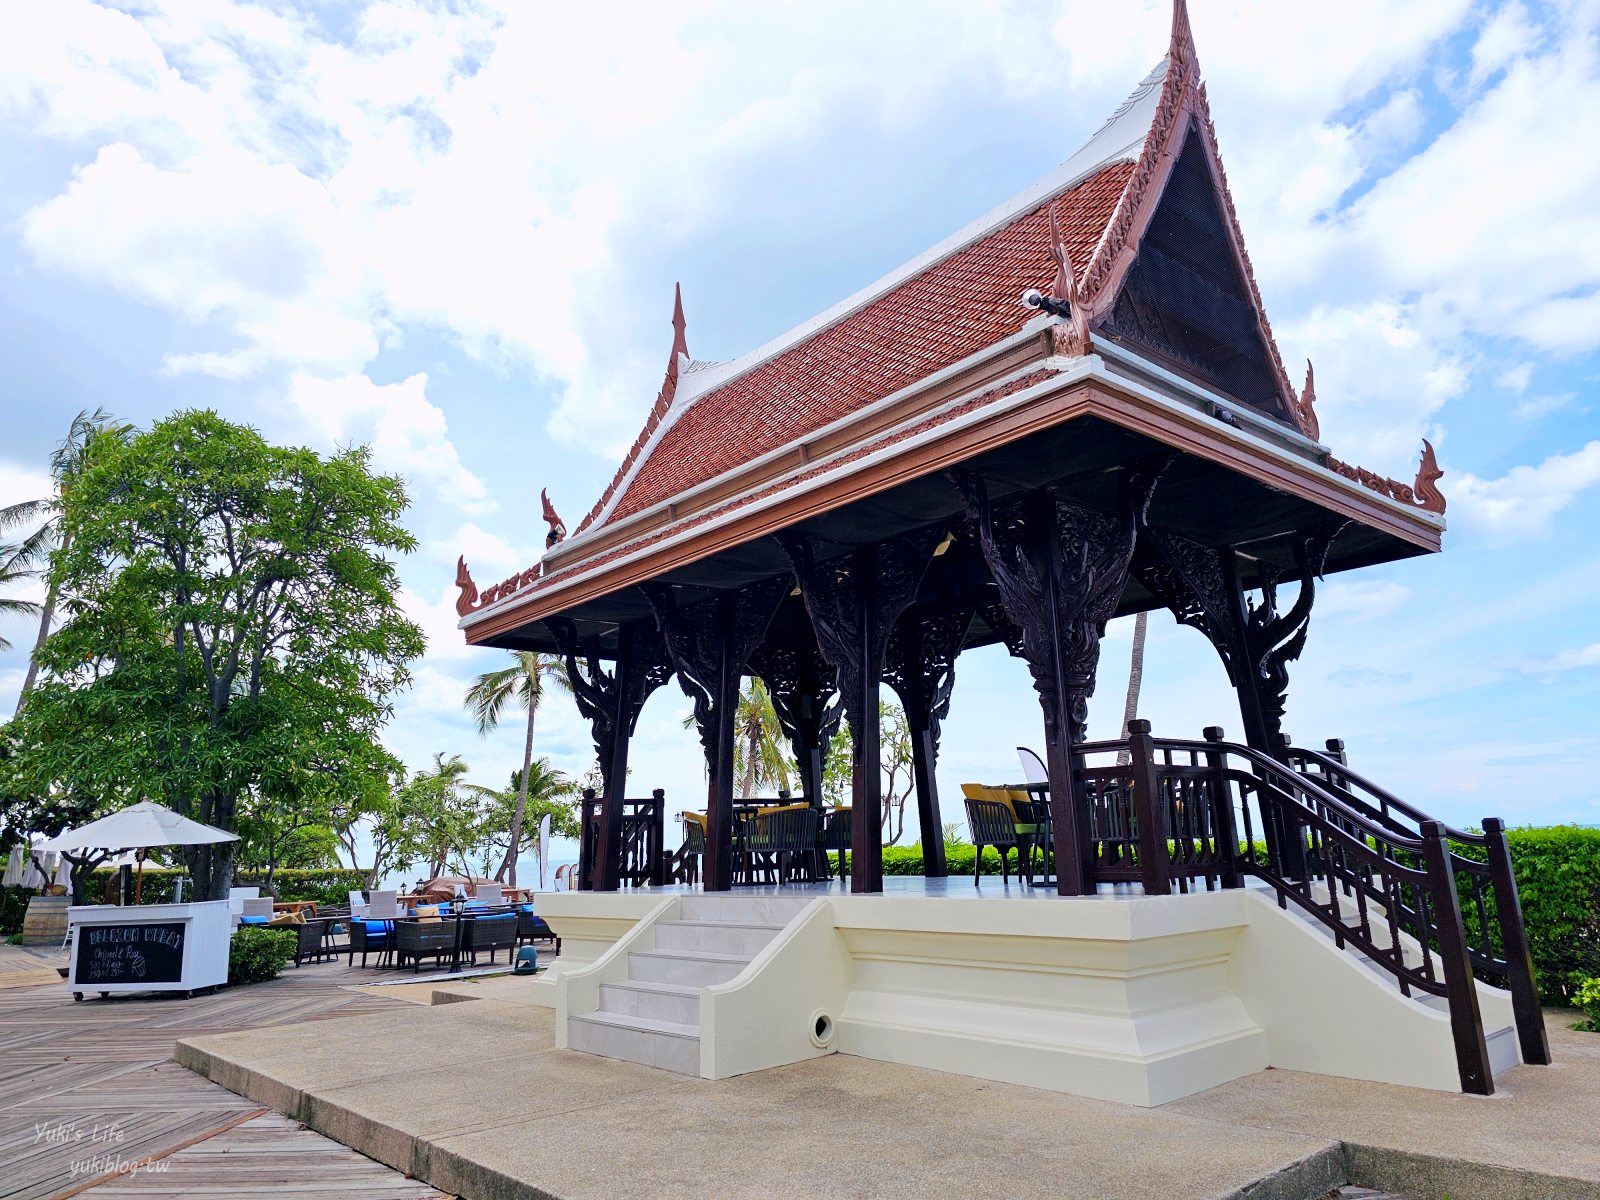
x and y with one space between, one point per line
666 1045
694 968
652 998
724 937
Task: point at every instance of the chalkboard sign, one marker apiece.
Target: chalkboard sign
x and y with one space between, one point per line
132 953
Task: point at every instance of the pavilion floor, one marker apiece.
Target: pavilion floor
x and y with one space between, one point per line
526 1119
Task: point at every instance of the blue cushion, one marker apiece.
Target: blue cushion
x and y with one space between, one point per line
376 927
475 904
527 908
254 920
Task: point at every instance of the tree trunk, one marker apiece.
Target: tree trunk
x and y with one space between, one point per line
46 618
1130 710
747 786
508 868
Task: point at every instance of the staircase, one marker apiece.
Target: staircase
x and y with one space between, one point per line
653 1016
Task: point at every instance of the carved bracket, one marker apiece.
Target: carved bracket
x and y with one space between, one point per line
920 664
1273 641
600 697
1188 578
694 635
800 682
835 592
1062 619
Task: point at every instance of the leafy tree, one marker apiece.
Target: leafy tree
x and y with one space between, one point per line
760 755
523 682
549 792
894 744
232 621
439 819
44 515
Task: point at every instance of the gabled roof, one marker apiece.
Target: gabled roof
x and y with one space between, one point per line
1137 227
947 303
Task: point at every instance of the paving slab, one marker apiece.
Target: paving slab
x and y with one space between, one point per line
1536 1137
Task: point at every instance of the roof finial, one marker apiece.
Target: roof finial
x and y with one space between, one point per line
1181 47
558 527
1073 338
680 344
467 600
1305 408
1426 486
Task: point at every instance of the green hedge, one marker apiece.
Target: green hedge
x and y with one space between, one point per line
256 955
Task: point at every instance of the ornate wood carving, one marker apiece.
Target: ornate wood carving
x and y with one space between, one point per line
1093 550
1424 493
804 697
1188 578
467 601
1304 409
1272 640
1072 337
920 665
558 527
600 697
1426 487
694 639
1007 630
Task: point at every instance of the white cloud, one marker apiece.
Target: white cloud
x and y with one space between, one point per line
1521 504
1361 600
1515 379
1565 660
408 433
1535 407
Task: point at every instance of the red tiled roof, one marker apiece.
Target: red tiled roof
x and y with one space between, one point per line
954 308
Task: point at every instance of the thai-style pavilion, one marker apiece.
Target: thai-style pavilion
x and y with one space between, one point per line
1071 410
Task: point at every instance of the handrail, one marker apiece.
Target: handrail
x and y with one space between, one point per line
1346 776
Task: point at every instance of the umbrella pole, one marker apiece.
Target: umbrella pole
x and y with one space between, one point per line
138 882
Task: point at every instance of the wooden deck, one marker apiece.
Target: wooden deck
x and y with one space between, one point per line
89 1090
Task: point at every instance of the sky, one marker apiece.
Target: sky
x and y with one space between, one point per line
452 231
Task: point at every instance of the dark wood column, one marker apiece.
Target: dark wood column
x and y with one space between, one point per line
1061 571
611 701
854 601
708 643
920 666
804 696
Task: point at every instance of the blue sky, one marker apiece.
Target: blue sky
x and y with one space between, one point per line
453 231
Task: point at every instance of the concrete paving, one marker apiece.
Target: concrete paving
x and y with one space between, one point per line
472 1097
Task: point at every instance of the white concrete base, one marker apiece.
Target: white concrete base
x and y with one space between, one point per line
1135 999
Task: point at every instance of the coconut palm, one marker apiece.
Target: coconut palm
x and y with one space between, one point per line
761 757
1130 708
14 570
523 683
43 516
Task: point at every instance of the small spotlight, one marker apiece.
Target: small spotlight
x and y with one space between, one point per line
1034 298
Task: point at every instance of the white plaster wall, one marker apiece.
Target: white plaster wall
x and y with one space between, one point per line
765 1016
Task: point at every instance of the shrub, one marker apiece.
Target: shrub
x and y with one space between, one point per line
324 885
258 954
1588 998
1558 880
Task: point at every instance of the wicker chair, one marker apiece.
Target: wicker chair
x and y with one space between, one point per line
531 927
313 944
493 932
423 938
833 833
993 817
783 841
366 940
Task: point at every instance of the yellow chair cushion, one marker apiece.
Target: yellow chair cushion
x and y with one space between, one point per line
694 818
778 808
428 912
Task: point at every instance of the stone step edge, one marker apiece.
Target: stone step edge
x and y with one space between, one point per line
724 925
659 987
712 956
639 1024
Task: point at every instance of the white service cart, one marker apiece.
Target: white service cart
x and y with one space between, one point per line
149 947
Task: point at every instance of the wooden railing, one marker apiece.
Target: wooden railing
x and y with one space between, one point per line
643 839
1376 872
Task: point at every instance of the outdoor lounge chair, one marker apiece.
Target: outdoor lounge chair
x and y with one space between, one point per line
255 910
782 841
1003 819
532 928
494 932
368 936
423 938
833 833
313 942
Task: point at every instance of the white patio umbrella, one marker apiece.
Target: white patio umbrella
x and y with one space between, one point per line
544 848
14 863
137 826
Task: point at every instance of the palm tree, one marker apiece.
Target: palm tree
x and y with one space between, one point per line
33 556
761 758
13 570
1130 709
522 682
